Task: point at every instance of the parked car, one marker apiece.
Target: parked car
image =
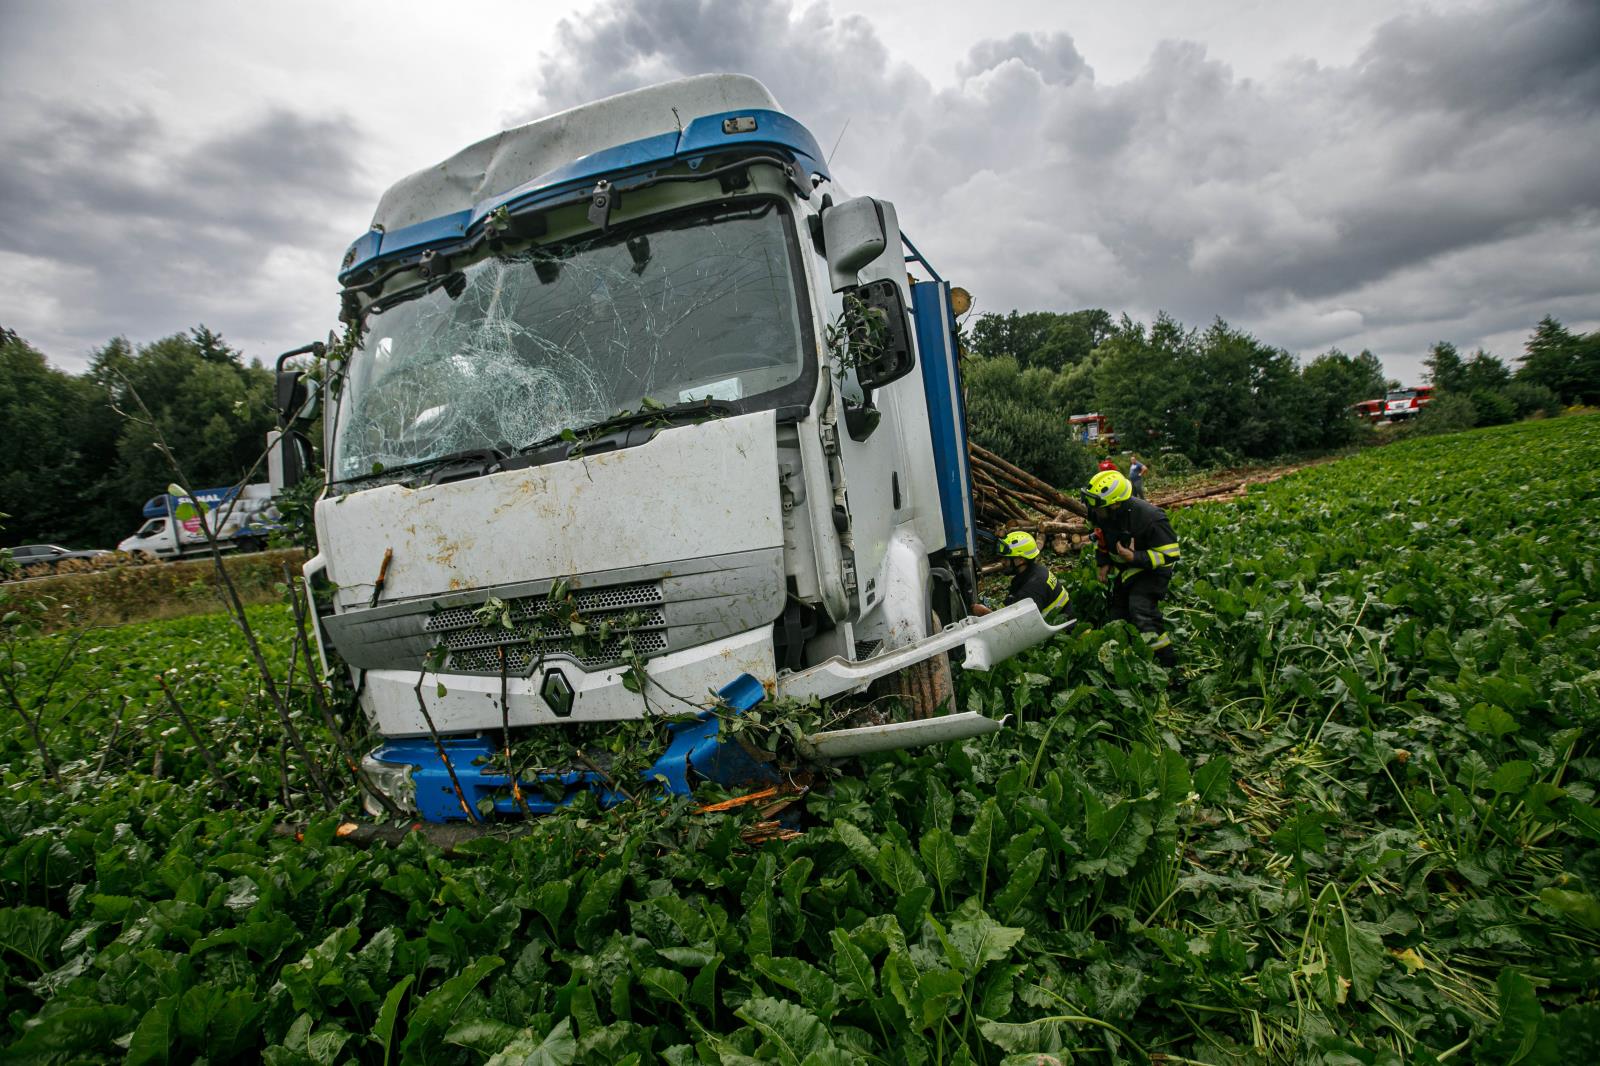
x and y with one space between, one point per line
30 555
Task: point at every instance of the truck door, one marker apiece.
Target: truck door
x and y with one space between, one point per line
878 482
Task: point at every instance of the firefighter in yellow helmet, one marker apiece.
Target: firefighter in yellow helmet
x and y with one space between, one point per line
1031 579
1137 547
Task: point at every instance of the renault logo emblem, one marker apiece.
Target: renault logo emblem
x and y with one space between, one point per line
556 691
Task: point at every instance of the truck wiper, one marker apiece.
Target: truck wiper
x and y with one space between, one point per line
688 408
485 457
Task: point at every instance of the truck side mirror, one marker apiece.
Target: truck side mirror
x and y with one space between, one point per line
854 235
294 388
291 395
879 333
288 458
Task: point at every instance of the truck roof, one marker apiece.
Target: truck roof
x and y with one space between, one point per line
573 147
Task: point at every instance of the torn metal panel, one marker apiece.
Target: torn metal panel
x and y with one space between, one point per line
692 492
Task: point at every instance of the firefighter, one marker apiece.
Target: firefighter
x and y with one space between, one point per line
1030 578
1137 550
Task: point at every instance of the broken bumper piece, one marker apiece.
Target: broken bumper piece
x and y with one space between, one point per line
986 640
863 740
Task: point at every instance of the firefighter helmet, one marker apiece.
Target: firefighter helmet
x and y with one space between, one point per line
1107 489
1019 545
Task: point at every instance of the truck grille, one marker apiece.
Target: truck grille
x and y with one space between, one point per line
539 632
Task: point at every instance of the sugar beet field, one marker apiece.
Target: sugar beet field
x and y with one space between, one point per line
1364 834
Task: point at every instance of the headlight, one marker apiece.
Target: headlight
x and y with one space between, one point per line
394 780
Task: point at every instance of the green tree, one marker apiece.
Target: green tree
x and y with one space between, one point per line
1144 385
1448 413
213 411
1484 373
1493 406
1017 335
74 470
1333 383
1373 382
59 435
1073 337
1528 399
1567 364
1446 371
1249 396
1073 390
1010 412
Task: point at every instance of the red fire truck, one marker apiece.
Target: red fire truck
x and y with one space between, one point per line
1092 429
1398 404
1406 403
1370 410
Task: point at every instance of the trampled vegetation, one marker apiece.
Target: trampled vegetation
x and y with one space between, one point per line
1365 834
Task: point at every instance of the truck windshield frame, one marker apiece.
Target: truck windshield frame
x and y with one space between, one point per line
706 303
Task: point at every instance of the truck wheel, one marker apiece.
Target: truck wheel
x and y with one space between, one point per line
251 544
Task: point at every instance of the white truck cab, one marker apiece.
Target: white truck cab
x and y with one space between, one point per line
643 380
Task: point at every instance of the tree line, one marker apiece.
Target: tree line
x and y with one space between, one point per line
1558 368
1183 396
79 458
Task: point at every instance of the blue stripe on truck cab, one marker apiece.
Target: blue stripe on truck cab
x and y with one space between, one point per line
703 135
947 415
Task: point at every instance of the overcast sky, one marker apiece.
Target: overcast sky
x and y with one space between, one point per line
1371 174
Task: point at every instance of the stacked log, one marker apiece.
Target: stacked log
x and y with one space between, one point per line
1007 498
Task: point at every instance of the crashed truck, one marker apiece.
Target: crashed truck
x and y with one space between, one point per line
637 388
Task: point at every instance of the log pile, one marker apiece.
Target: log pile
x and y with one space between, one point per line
1008 498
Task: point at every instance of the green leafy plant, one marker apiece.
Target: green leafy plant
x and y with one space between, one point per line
1366 834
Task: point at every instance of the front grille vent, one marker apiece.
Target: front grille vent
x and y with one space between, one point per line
538 631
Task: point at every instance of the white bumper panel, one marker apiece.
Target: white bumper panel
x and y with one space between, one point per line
988 639
472 703
843 743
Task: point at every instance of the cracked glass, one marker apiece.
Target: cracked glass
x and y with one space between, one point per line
516 348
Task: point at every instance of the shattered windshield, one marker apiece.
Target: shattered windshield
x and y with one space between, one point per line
516 348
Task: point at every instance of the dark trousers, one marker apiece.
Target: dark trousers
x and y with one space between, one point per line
1138 485
1136 597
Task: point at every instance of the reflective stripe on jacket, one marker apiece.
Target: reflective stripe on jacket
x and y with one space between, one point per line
1143 524
1041 585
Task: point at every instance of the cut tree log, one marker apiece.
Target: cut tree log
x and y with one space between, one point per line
1007 498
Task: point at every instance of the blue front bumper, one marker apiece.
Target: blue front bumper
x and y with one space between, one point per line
692 746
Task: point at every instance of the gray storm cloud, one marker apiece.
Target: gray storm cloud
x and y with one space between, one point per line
1440 185
1332 205
137 235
